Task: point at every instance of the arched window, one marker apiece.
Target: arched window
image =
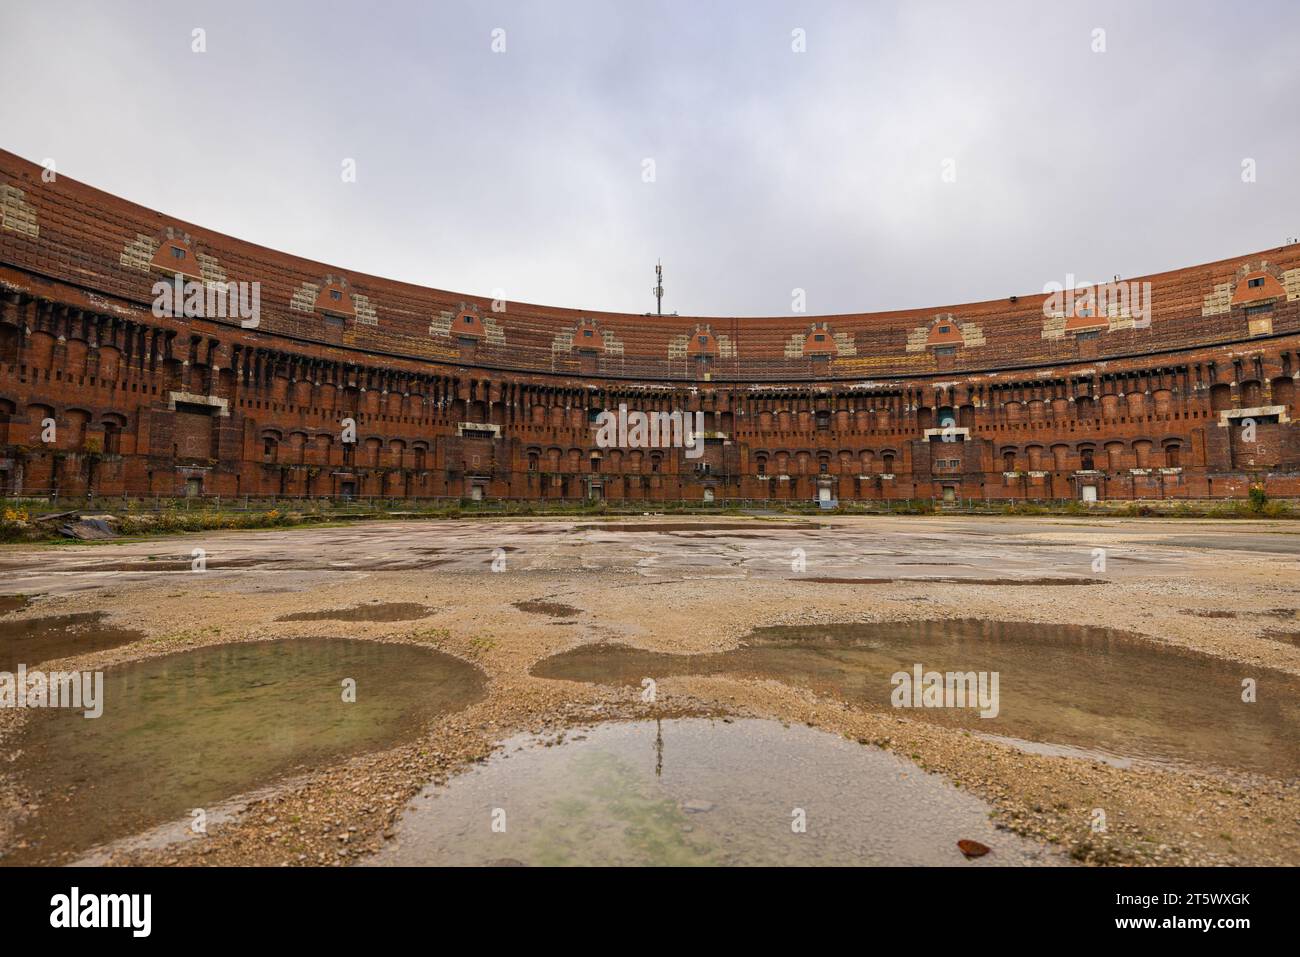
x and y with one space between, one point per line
1085 460
1172 457
762 464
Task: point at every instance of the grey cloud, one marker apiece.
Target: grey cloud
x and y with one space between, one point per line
775 170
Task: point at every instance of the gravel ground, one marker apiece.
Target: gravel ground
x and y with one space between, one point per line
1216 587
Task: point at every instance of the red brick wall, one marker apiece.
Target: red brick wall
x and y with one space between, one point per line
79 342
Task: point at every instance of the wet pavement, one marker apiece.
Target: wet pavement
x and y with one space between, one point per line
872 549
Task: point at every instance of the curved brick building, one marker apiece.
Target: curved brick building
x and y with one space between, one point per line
1188 393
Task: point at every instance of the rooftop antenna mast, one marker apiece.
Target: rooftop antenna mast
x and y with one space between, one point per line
659 288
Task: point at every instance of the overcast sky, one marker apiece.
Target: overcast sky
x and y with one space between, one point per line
773 169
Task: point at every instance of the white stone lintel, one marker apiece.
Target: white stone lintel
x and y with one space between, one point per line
193 398
1256 412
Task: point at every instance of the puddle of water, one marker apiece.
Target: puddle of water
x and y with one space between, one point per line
1277 634
554 609
663 527
1281 614
184 564
378 611
189 730
699 792
33 640
1089 688
951 580
1283 544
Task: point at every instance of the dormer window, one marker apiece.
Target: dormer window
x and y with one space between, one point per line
334 300
586 333
469 320
819 338
172 258
944 330
1256 282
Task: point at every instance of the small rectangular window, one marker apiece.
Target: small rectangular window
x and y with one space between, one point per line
1256 282
1257 310
335 295
945 351
178 253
